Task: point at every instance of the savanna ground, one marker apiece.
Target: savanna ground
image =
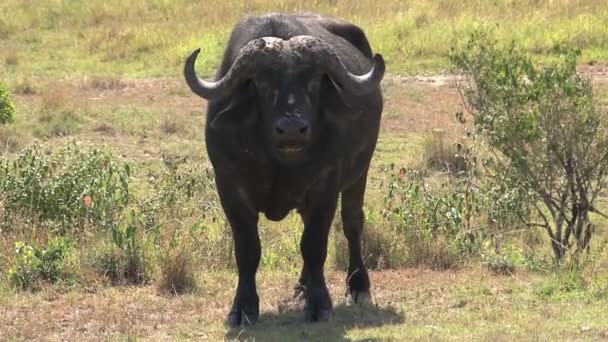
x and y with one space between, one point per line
108 75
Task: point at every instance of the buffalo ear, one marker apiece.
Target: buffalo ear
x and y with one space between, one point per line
235 110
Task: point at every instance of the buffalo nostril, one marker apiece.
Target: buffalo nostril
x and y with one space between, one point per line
304 128
278 129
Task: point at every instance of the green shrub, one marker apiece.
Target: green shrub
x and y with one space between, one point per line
186 190
180 182
7 108
70 188
544 130
436 224
33 266
443 224
504 263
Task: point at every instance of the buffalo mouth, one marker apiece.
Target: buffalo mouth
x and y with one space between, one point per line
290 153
291 149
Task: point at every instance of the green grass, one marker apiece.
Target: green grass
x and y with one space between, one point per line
152 38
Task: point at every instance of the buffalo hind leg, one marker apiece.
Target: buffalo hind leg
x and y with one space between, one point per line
317 222
352 221
300 287
247 250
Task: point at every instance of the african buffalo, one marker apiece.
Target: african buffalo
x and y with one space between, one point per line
292 123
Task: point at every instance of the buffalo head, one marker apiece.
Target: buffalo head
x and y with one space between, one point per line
286 77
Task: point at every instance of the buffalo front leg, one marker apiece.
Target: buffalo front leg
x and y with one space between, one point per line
247 251
352 221
317 222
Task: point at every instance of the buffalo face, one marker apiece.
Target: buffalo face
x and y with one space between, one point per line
289 107
286 76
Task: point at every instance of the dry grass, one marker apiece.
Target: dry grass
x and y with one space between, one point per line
178 275
11 58
170 126
106 129
55 97
106 83
10 140
25 87
444 152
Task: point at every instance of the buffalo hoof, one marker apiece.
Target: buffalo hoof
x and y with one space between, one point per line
241 318
318 305
299 292
359 297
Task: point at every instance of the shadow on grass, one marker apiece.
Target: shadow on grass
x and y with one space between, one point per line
289 325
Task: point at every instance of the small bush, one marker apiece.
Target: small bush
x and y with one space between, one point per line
7 108
11 59
124 261
564 283
105 128
109 262
10 140
545 131
33 266
502 263
70 188
436 224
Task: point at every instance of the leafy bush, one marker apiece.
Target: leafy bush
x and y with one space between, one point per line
70 187
180 182
7 108
436 224
503 263
443 224
32 265
544 130
187 190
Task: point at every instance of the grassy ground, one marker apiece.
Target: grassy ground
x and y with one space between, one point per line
413 304
107 74
418 304
152 38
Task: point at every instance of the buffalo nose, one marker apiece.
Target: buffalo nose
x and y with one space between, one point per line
291 129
